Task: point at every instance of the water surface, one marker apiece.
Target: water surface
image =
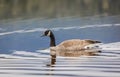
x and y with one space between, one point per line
25 54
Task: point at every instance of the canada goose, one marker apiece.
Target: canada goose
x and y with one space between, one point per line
68 45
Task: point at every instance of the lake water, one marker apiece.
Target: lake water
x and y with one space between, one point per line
23 53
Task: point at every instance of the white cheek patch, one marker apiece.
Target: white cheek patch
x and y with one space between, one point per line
48 33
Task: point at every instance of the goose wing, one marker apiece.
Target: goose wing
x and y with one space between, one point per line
75 42
92 41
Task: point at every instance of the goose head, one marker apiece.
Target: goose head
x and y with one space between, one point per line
50 34
47 33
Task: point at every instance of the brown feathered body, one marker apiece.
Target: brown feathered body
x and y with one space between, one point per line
73 45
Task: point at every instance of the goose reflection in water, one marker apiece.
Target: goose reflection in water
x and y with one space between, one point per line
86 52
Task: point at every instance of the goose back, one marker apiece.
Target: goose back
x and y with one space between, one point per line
76 42
73 44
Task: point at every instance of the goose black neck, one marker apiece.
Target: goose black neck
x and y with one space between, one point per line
52 40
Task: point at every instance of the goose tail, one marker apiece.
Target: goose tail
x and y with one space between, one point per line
98 42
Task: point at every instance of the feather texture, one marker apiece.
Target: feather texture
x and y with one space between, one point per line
68 45
73 44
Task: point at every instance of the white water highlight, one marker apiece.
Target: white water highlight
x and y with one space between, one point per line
57 28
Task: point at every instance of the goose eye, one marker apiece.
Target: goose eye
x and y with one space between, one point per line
47 33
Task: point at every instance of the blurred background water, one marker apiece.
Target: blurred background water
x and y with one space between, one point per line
22 9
